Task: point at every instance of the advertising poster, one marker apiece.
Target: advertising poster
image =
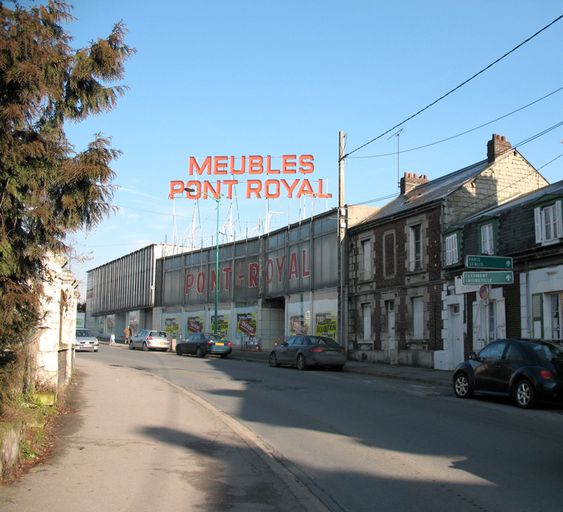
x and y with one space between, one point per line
325 324
172 327
298 325
195 324
222 325
246 324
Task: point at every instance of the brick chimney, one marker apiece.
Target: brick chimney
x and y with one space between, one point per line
411 180
496 146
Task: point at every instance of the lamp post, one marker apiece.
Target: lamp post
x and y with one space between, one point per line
216 320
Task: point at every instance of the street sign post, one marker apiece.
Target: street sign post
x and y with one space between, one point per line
492 262
488 277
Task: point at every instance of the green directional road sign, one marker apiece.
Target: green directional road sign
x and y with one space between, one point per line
493 262
498 277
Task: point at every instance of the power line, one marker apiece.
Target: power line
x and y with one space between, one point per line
466 131
455 88
551 161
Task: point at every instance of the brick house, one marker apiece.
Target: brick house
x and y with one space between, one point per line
530 230
396 258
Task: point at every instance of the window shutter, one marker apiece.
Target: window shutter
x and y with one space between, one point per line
455 257
558 219
538 222
478 335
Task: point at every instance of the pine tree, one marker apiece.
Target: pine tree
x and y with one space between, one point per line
47 189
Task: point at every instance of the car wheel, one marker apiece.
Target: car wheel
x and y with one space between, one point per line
338 367
301 365
273 360
525 394
199 352
131 347
462 386
178 350
145 348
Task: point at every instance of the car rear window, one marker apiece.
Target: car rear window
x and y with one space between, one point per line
323 340
548 352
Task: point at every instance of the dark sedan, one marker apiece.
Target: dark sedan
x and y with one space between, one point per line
195 344
306 351
525 370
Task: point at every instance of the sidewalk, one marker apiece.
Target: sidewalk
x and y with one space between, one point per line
138 443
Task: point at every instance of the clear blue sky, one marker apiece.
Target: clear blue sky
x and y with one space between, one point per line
272 78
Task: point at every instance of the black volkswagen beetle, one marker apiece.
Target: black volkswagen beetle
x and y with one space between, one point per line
525 370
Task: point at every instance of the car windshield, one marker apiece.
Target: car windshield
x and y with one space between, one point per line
548 352
323 340
83 333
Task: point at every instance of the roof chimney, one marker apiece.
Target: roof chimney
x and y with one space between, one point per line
411 180
496 146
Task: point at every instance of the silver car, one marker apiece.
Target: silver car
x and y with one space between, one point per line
85 341
148 339
304 351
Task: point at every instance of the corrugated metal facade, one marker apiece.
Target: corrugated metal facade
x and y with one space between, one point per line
123 284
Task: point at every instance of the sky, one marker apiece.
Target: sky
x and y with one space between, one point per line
249 77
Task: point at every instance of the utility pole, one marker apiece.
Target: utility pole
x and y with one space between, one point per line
342 225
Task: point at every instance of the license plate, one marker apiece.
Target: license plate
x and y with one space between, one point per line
219 344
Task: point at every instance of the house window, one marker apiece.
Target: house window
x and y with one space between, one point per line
366 261
366 315
415 247
389 254
549 224
452 249
537 315
417 318
487 239
492 320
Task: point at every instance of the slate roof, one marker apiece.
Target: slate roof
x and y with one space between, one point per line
430 191
555 189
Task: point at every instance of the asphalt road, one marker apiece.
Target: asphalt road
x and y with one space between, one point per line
222 434
366 444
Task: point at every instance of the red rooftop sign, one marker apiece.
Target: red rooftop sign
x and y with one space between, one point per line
254 166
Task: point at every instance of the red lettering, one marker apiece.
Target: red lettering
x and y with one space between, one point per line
227 271
208 187
242 169
269 271
193 189
253 187
293 271
280 266
213 280
289 188
305 189
220 165
306 165
320 193
255 164
230 184
188 283
289 162
269 169
253 271
205 167
176 187
268 194
200 282
305 270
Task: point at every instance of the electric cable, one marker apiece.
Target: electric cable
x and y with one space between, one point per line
464 132
455 88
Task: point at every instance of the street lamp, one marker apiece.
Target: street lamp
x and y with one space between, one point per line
215 323
216 319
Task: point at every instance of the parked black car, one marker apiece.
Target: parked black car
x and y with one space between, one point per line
200 344
523 369
306 351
